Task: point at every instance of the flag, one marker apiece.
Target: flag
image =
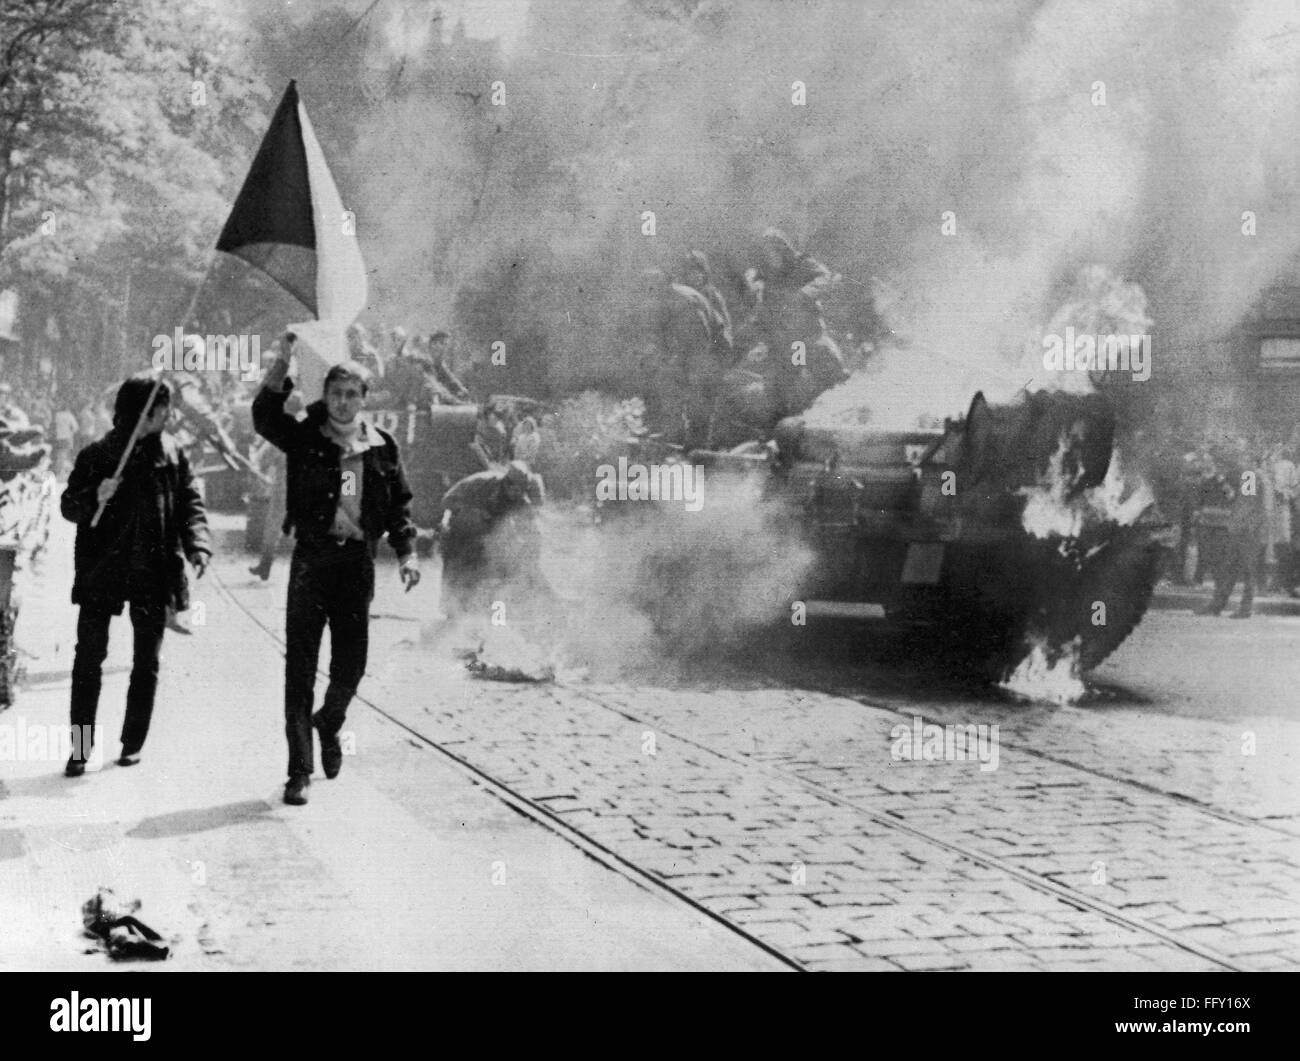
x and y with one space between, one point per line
288 221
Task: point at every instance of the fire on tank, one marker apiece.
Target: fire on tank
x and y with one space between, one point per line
1011 530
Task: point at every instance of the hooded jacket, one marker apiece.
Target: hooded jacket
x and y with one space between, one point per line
156 478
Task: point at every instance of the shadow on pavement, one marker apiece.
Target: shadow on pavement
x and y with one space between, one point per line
179 823
34 678
11 844
45 786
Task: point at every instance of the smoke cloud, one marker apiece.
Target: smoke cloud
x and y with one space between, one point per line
1058 134
961 165
656 587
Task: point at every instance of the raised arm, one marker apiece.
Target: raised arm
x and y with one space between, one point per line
269 418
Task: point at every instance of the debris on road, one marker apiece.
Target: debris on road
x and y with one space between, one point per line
124 936
503 656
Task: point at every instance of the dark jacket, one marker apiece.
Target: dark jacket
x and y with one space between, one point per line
157 477
477 505
315 476
1246 517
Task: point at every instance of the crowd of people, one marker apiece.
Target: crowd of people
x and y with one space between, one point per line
407 369
71 420
728 367
1234 501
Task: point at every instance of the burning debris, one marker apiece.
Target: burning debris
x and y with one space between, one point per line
1047 676
1079 522
502 655
1059 506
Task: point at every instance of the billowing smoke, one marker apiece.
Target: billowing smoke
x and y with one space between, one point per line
675 583
661 585
961 165
1056 134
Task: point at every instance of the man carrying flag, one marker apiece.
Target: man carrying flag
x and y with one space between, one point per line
345 484
347 489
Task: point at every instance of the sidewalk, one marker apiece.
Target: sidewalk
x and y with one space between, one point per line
401 863
1172 597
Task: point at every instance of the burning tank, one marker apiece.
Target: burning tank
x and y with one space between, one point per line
1012 532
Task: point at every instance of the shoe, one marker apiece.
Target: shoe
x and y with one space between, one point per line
331 754
75 768
174 623
295 792
261 570
128 760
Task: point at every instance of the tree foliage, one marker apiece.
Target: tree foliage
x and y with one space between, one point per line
125 126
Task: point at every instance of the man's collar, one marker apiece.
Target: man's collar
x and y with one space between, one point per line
367 437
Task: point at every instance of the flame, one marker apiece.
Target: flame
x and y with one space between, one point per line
1038 677
1108 500
1050 510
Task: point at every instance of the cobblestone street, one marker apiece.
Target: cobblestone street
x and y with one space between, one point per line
1107 837
746 815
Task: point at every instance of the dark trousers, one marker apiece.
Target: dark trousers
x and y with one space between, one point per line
1284 576
1240 564
147 622
334 584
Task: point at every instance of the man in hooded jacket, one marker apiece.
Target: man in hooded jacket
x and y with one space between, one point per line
153 521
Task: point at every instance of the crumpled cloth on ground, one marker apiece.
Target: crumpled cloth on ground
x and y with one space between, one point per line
111 920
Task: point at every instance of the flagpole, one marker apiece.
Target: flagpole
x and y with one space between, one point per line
310 144
153 392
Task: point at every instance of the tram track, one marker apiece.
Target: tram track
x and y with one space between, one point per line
538 812
907 712
612 859
1070 896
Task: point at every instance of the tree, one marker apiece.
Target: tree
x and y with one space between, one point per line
124 130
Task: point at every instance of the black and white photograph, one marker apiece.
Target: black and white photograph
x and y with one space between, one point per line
650 485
